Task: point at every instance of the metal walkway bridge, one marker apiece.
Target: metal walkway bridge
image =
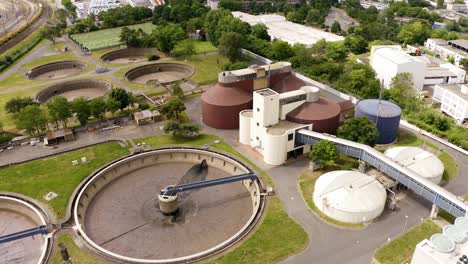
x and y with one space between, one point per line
413 181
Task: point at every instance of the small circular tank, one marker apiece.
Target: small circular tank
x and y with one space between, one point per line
422 162
349 196
221 106
386 115
313 93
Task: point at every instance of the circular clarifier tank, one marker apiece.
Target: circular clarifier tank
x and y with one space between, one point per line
128 55
163 73
56 70
16 215
117 209
87 88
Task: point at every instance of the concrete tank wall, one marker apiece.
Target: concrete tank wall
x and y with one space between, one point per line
120 168
128 52
45 94
55 66
157 67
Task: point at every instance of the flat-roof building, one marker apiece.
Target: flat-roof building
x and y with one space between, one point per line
389 60
281 29
454 101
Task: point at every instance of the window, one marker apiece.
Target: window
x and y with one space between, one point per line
257 138
258 124
290 137
258 109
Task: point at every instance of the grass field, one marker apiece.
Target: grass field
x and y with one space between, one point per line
450 166
77 255
401 249
204 46
59 45
107 38
206 67
55 174
307 184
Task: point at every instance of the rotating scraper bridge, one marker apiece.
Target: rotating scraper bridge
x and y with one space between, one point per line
425 188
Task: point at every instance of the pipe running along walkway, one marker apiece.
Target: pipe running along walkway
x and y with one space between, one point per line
413 181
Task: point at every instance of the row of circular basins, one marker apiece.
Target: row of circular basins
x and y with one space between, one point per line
147 74
115 211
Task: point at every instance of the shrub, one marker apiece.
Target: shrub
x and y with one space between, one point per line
152 57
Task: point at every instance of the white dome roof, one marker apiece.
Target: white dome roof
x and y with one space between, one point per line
349 196
422 162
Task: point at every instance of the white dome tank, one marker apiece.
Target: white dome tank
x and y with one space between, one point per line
349 196
422 162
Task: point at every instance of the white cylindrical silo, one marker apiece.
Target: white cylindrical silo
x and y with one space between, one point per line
313 93
349 196
245 118
420 161
274 148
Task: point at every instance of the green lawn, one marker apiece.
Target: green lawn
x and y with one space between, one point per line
77 255
307 184
204 46
277 237
401 249
56 174
450 166
206 67
57 46
7 119
107 38
406 138
48 59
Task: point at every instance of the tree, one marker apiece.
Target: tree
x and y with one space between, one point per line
172 109
50 33
296 17
402 93
133 37
59 110
356 44
98 108
416 32
336 51
187 130
359 79
440 4
15 105
184 48
464 63
359 129
281 50
324 151
314 16
122 97
335 27
33 118
261 31
166 37
230 45
112 105
82 110
177 89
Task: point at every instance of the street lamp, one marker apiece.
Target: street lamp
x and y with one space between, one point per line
404 226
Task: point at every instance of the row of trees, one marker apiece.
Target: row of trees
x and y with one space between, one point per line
35 118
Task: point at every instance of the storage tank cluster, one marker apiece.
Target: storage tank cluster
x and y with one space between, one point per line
384 114
420 161
349 196
449 247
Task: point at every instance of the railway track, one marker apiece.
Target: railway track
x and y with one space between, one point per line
46 11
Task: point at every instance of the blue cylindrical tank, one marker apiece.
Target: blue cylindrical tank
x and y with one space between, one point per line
386 115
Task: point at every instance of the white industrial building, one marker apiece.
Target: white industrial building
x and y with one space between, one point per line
450 247
281 29
266 129
389 60
447 49
420 161
349 196
454 101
